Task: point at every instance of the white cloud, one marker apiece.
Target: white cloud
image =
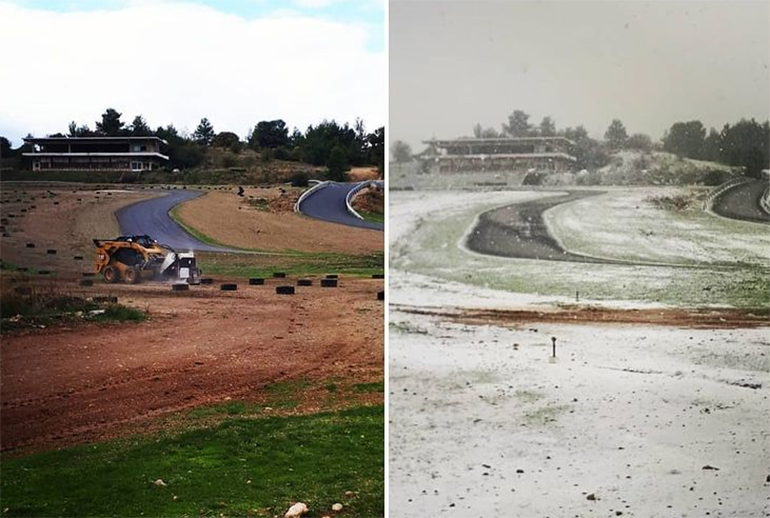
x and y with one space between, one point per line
176 62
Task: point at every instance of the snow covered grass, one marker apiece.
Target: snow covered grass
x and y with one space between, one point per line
632 415
625 225
427 229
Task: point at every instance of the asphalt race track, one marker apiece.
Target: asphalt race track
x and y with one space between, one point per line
328 204
519 231
742 202
152 217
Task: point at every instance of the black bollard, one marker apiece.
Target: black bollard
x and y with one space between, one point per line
553 339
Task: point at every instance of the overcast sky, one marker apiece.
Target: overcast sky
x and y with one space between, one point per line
456 63
234 61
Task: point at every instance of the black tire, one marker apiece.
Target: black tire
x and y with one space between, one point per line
87 274
378 276
332 276
279 275
51 251
111 274
228 287
86 282
256 281
328 283
304 282
30 245
133 275
380 295
78 257
284 290
180 287
207 281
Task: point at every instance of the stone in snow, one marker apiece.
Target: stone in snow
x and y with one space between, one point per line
296 510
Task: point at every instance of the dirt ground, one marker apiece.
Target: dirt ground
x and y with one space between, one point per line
370 200
68 385
237 221
61 219
359 174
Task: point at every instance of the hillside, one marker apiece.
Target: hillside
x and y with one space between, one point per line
655 168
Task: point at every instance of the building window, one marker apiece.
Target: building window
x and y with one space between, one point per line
136 166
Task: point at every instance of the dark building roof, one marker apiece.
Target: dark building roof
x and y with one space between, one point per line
111 140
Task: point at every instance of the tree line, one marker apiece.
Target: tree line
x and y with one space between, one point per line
336 146
745 143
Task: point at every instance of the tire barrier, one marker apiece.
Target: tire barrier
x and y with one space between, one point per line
284 290
30 245
78 258
105 299
279 275
86 282
378 276
180 287
332 276
228 287
207 281
304 282
380 295
328 283
56 203
256 281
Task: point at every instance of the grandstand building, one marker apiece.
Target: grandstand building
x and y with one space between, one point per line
506 154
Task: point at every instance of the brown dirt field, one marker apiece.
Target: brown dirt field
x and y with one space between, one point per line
686 318
233 221
359 174
71 384
369 200
67 227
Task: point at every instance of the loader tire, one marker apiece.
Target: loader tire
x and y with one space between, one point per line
380 295
378 276
279 275
304 282
180 287
228 287
284 290
328 283
207 281
256 281
332 276
133 275
111 274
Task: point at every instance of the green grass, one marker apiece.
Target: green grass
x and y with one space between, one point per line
315 459
294 264
378 386
375 217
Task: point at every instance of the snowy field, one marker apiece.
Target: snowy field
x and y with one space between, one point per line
427 232
631 420
653 234
630 414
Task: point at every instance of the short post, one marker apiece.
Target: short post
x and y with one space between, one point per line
577 295
553 339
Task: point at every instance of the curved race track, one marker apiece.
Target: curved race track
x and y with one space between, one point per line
520 231
742 202
152 217
328 204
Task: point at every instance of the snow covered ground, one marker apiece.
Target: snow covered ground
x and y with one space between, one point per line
654 234
630 414
427 230
646 421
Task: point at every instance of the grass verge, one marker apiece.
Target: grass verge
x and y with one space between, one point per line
372 216
241 467
297 264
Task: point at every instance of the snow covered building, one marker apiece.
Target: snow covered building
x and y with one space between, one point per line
504 154
95 153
